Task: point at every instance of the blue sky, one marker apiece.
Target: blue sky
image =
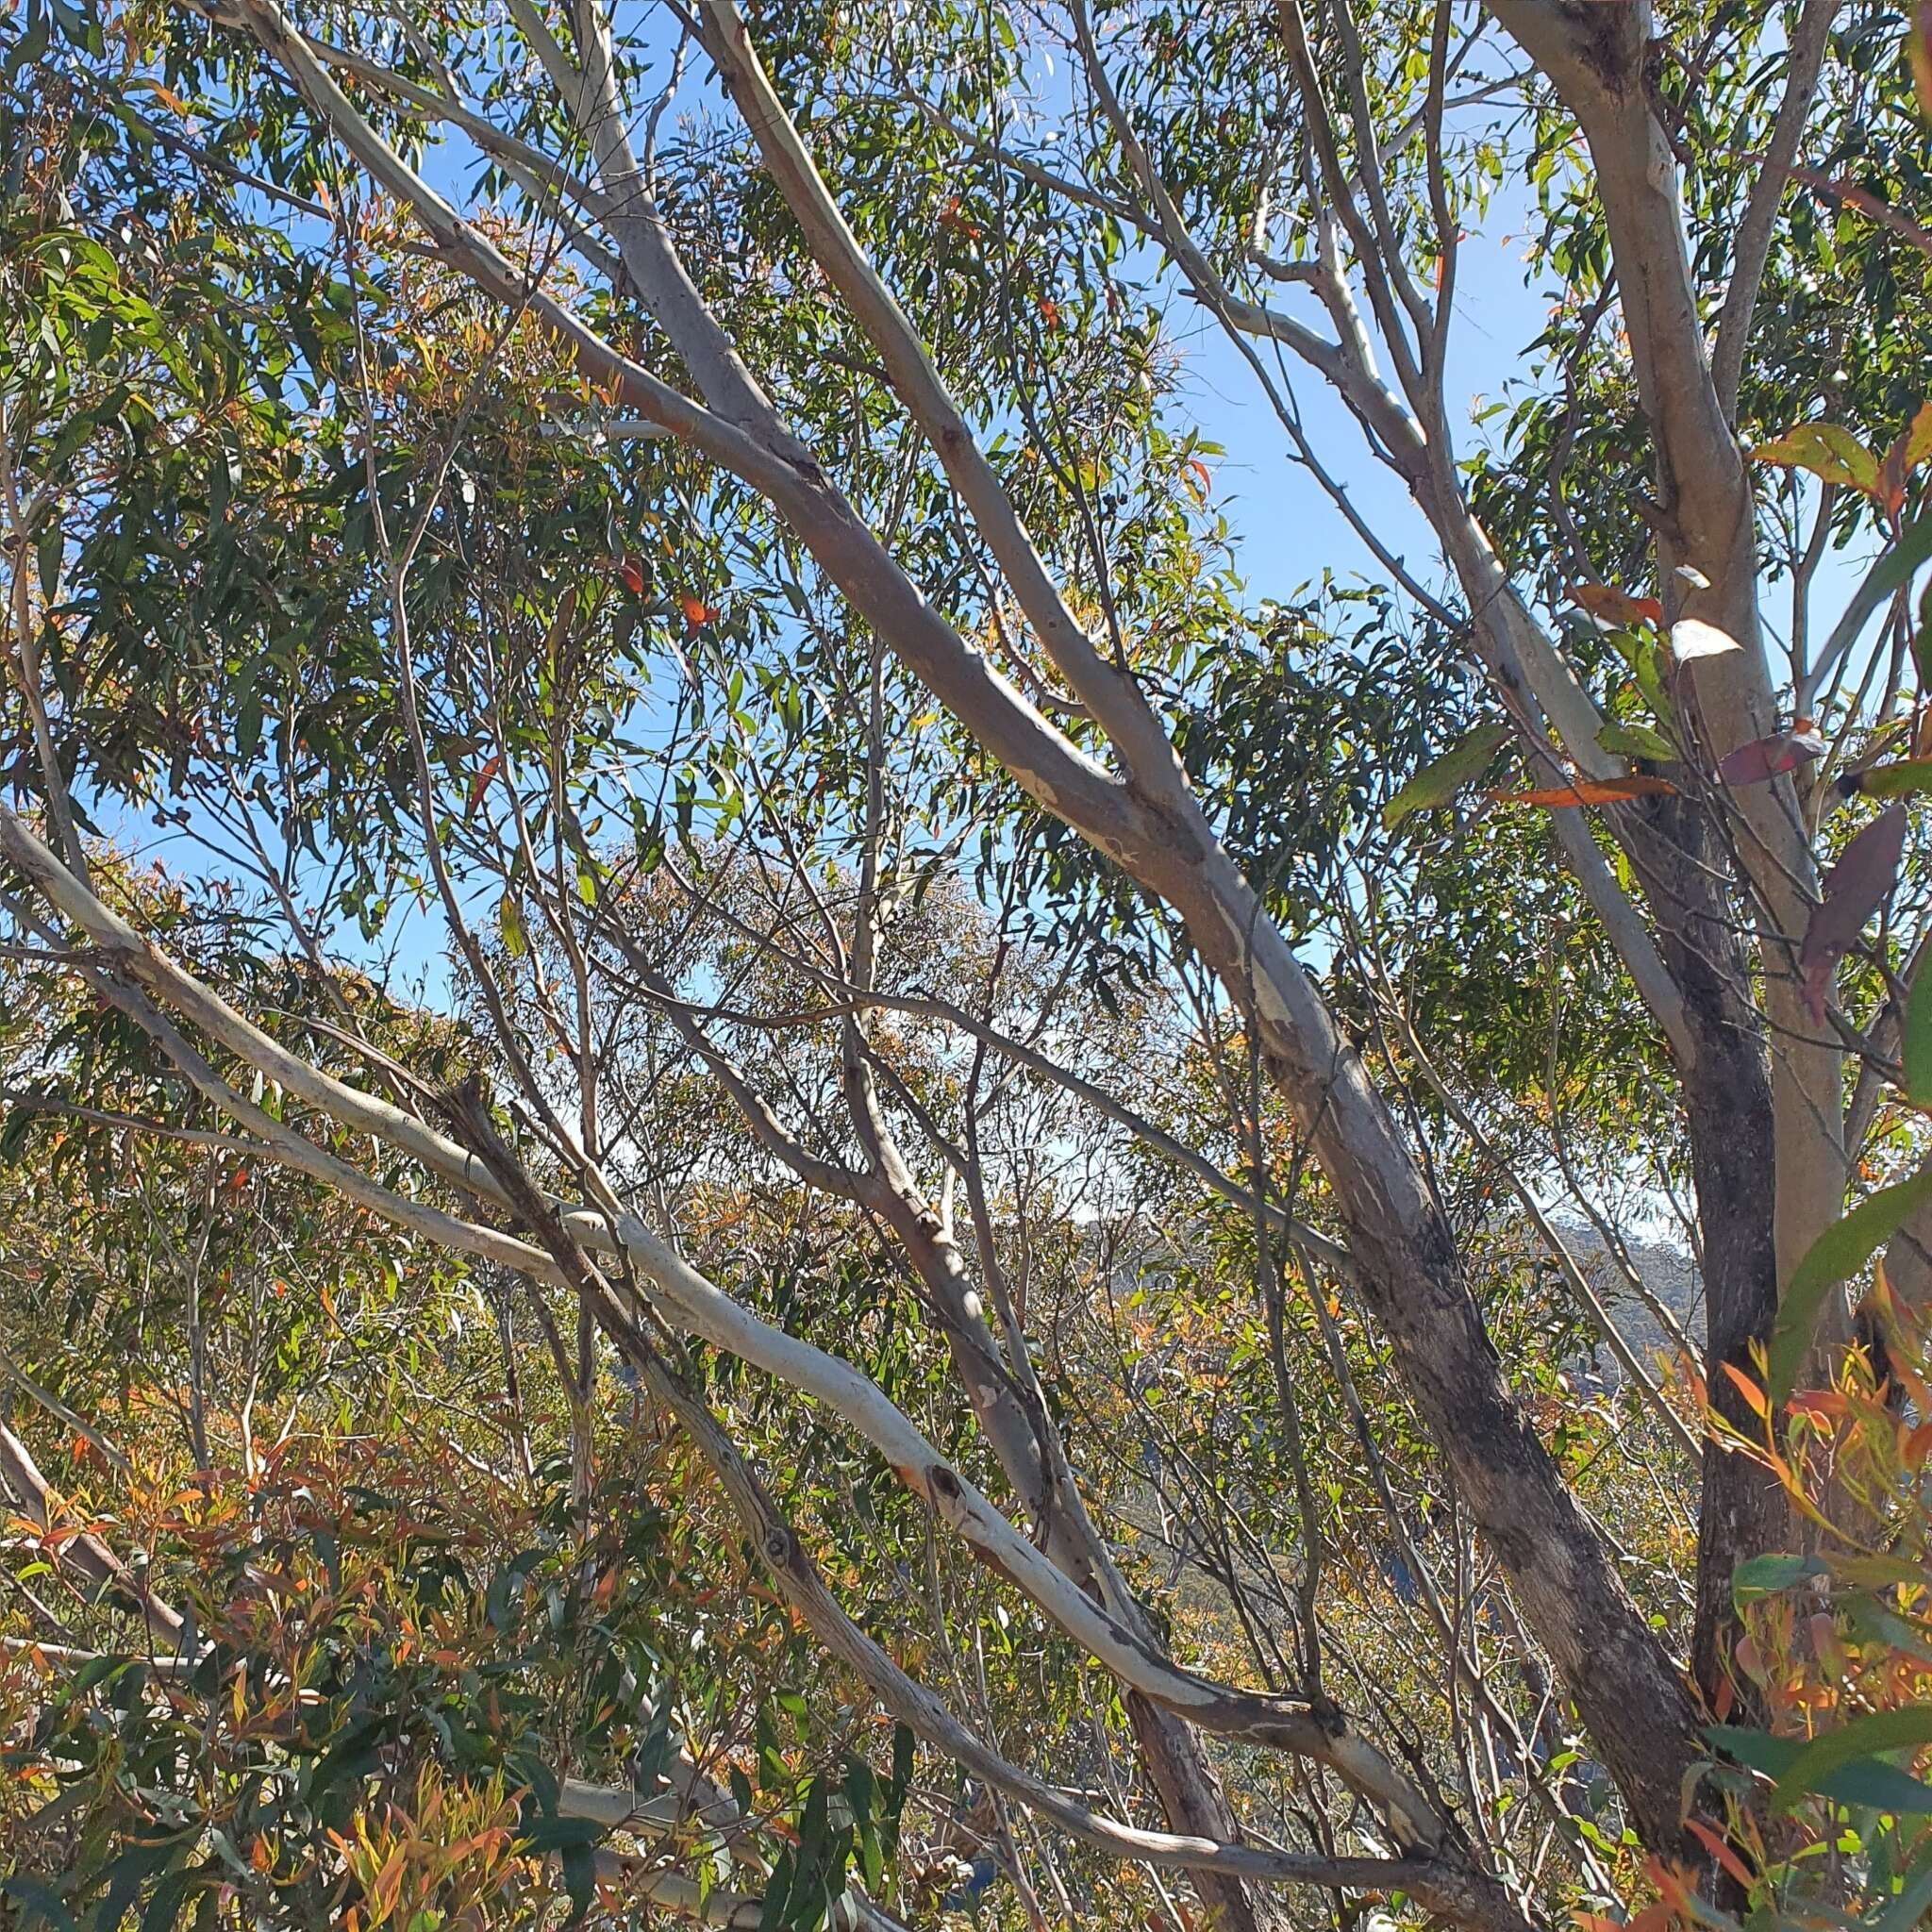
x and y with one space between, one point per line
1287 532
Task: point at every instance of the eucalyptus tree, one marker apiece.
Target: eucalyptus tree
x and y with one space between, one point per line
820 359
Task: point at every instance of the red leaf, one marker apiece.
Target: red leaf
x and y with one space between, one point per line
1854 890
633 577
1590 791
1763 759
1608 604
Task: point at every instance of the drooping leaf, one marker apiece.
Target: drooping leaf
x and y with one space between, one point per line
1864 1739
1764 758
1854 890
1765 1576
1590 791
1916 1041
1829 450
1898 780
1637 742
1840 1250
1438 781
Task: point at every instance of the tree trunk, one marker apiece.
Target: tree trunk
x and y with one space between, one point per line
1728 1095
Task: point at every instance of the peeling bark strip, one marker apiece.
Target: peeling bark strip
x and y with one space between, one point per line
1633 1702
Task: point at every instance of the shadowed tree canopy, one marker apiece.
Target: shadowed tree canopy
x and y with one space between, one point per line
805 1126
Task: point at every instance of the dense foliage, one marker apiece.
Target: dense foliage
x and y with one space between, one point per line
803 1127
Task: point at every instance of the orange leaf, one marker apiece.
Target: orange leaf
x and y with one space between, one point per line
1720 1852
1590 791
1610 605
1890 492
480 783
1825 1403
1747 1388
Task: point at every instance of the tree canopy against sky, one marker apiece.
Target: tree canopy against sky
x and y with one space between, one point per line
1036 1257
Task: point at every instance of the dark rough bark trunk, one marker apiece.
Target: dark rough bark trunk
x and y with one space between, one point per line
1635 1704
1728 1105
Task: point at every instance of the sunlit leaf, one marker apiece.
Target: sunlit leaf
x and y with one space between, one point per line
1637 742
1829 450
1839 1251
1610 606
1692 639
1437 782
1590 791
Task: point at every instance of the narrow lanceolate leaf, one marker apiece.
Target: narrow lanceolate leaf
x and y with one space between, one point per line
1899 779
1692 639
1841 1250
1829 451
1437 783
1764 758
1590 791
1637 742
1765 1576
1854 888
1917 1042
1892 572
1856 1744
